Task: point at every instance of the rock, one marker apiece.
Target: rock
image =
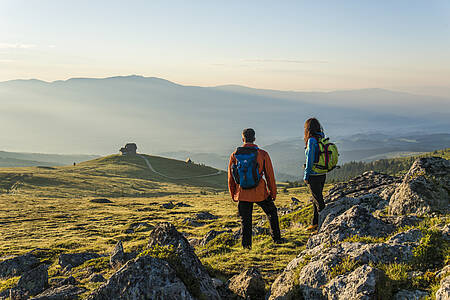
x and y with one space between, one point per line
359 284
446 232
295 201
64 292
117 257
368 183
100 200
97 278
248 285
256 230
444 291
75 259
144 278
210 235
424 188
34 281
410 295
17 265
189 266
138 226
168 205
355 221
205 216
411 236
191 222
181 204
63 281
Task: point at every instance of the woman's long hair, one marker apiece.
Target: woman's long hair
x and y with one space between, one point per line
312 129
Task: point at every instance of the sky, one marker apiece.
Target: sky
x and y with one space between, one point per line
285 45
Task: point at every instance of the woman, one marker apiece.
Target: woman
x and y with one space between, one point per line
315 181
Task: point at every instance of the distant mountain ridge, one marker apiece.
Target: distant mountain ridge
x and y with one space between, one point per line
98 115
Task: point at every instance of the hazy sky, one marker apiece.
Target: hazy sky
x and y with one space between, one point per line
289 45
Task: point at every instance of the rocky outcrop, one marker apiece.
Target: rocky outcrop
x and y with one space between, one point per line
210 235
424 189
410 295
248 285
144 278
355 234
68 261
17 265
189 267
204 215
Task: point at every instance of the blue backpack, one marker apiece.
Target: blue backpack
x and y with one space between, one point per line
246 170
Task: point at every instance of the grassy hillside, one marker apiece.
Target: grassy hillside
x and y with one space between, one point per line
392 166
51 208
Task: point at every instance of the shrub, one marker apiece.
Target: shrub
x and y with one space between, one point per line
430 252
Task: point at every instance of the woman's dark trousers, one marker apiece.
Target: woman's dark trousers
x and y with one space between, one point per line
245 212
316 184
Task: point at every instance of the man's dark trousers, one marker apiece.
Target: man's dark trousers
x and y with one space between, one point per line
245 212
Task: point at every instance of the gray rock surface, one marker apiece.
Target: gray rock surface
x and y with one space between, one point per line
143 278
355 221
204 215
117 257
64 292
75 259
444 291
34 281
15 266
359 284
424 188
210 235
410 295
97 278
248 284
189 265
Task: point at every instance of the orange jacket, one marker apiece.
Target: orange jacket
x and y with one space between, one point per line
265 187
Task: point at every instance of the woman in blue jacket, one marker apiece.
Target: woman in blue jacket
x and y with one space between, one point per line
315 181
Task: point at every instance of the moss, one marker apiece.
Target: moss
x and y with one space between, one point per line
162 252
345 266
302 216
8 283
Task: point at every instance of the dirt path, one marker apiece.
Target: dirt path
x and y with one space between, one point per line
149 165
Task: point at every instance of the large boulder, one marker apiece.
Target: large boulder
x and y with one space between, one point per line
117 257
145 277
189 268
355 221
17 265
358 285
248 285
424 189
75 259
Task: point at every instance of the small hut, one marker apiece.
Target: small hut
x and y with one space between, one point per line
129 149
188 160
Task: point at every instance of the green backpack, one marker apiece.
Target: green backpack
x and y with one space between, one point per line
328 157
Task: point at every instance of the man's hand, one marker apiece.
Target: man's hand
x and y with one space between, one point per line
306 181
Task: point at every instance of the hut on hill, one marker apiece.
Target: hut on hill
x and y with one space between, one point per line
129 149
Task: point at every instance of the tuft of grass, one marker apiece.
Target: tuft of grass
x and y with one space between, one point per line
431 251
345 266
8 283
165 252
364 239
302 216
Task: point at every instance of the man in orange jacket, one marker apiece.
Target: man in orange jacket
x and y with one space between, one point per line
247 186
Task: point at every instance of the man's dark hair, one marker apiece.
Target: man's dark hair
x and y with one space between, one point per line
249 135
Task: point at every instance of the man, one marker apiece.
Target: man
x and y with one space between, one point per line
246 185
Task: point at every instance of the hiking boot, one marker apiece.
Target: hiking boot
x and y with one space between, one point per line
280 241
311 228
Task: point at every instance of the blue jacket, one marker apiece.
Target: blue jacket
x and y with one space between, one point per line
312 156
